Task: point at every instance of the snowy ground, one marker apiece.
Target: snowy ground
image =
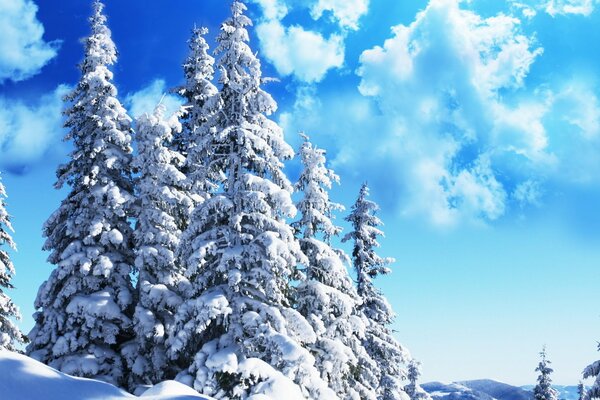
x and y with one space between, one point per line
22 378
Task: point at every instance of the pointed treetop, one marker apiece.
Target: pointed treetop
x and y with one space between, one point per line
315 181
99 47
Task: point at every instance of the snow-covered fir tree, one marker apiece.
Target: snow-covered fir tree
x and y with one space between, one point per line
544 390
85 306
161 194
238 333
10 335
413 389
581 392
385 350
326 294
593 371
202 103
197 91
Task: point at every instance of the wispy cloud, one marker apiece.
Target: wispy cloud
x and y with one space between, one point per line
31 134
566 7
346 12
530 8
147 98
23 51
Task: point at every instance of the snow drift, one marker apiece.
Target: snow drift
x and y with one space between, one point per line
22 378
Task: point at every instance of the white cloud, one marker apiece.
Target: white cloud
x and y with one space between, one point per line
566 7
294 51
146 99
441 76
445 126
346 12
30 133
23 51
307 55
528 11
530 8
273 9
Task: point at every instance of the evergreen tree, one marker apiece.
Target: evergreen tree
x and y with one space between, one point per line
197 91
161 195
326 295
379 342
85 306
544 390
593 371
413 389
10 335
581 392
202 103
238 332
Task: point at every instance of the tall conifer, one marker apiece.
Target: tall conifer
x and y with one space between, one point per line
85 306
384 349
162 192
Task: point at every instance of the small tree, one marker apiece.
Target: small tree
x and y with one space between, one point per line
10 335
593 371
161 196
544 390
86 305
383 348
581 392
413 389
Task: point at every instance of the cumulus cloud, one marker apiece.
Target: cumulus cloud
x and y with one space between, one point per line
441 110
294 51
23 51
146 99
443 75
30 133
446 125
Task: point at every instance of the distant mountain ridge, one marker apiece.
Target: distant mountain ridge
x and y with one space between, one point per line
498 390
487 389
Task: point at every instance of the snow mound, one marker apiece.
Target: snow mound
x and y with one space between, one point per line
171 390
22 377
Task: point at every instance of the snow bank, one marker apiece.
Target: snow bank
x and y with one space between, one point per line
22 377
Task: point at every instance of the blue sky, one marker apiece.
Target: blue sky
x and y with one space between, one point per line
476 124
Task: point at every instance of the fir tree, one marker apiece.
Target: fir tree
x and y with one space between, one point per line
85 306
202 103
161 195
326 295
581 392
413 389
593 371
238 333
197 91
544 390
10 335
379 342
